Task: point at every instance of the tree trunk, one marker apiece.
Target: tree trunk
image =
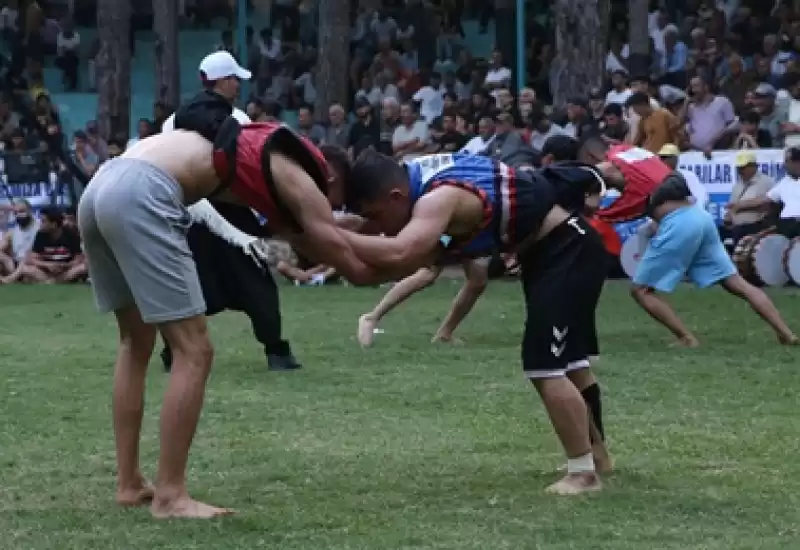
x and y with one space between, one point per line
333 63
639 38
114 68
165 24
580 55
505 24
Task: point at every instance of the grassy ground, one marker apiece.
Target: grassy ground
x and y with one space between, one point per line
409 445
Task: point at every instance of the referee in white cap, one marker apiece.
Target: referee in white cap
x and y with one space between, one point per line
221 237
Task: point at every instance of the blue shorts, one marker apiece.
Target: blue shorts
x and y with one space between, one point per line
687 243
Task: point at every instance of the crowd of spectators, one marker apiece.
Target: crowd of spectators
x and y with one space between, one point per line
720 75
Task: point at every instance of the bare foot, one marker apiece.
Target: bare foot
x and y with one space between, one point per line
688 341
138 495
366 330
788 339
186 507
447 338
576 484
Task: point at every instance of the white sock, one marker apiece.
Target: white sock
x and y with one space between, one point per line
581 465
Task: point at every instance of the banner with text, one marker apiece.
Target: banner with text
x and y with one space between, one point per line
718 174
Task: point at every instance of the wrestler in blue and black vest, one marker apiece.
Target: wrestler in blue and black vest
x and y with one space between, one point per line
488 179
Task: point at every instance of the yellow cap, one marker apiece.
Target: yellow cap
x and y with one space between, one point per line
669 150
745 158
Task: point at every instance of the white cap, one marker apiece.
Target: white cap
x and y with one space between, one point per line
220 65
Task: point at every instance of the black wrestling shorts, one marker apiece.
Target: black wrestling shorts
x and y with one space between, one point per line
562 278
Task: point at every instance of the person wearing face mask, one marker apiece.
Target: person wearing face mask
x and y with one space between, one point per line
18 241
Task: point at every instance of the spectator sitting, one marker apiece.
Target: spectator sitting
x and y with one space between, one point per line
498 76
673 62
772 118
581 124
449 140
115 148
305 85
390 120
431 98
263 111
657 128
543 128
507 140
338 129
144 129
86 159
9 120
619 92
411 138
791 127
307 127
67 47
56 255
366 131
95 141
613 125
480 143
751 135
737 83
752 183
597 103
18 241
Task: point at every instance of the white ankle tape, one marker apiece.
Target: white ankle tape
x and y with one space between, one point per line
580 465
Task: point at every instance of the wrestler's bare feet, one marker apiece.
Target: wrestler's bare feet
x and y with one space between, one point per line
446 338
576 484
688 341
788 339
186 507
366 330
137 494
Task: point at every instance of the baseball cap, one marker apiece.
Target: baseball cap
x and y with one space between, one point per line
220 65
765 89
669 150
745 158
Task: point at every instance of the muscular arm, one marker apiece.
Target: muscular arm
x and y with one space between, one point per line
321 240
417 245
756 203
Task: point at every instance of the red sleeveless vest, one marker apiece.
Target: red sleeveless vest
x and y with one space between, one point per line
241 160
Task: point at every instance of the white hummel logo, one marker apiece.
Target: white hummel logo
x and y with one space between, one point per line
557 351
574 223
559 335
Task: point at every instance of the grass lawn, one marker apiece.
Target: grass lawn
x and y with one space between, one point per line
409 445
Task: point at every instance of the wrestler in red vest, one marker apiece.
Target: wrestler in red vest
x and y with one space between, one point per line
241 160
643 172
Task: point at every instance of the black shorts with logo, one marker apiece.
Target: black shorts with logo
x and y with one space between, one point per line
562 278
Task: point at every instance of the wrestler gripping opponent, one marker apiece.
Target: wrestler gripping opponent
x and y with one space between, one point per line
464 196
686 242
133 218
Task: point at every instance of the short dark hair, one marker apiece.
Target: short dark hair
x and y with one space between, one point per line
561 148
751 116
638 99
613 109
53 214
371 174
337 158
307 107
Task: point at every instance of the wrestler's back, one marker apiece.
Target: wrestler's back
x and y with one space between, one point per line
187 156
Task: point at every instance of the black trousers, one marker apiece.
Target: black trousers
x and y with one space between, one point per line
232 281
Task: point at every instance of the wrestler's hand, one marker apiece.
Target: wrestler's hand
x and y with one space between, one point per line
259 252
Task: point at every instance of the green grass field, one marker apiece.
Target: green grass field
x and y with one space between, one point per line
409 445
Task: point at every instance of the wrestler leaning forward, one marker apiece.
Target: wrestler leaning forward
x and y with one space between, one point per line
134 218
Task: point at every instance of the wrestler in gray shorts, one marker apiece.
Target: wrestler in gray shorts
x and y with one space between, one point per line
133 223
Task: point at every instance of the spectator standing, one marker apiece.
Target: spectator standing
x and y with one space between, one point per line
307 127
737 83
95 141
750 184
543 128
498 76
791 127
68 42
658 127
772 118
581 124
9 120
613 125
431 98
710 117
411 138
337 132
305 85
638 84
143 129
751 136
85 158
390 120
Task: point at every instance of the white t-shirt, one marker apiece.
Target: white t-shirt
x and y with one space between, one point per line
431 102
620 98
8 19
64 44
476 145
787 191
238 114
497 76
793 139
403 134
614 63
698 190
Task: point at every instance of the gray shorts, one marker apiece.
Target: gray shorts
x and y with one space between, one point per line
133 223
